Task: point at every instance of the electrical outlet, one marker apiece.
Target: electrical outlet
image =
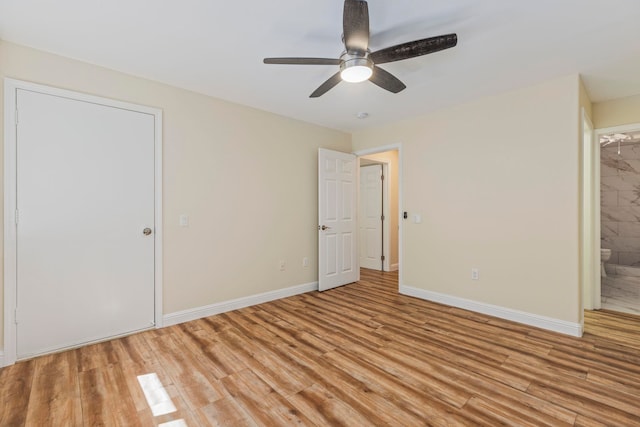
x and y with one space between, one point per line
475 274
305 262
282 265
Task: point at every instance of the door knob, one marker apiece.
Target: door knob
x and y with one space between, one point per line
323 227
146 231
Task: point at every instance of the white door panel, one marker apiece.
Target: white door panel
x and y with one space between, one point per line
85 270
370 222
336 204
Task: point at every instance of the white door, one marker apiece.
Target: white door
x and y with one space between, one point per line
85 195
370 217
337 253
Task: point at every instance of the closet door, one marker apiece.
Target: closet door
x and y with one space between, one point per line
85 227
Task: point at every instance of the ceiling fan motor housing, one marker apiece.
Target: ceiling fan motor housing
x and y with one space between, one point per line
355 68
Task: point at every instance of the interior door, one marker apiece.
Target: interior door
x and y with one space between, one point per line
370 217
85 232
337 230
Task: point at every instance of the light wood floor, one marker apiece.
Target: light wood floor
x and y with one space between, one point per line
357 355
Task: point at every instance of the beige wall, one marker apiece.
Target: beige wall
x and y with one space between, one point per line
391 158
246 178
617 112
497 184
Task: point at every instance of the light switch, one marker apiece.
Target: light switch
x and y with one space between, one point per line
184 220
417 218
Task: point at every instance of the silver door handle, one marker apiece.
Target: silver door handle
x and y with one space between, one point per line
146 231
323 227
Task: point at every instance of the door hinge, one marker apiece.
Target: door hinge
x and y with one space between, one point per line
382 258
382 177
382 218
15 316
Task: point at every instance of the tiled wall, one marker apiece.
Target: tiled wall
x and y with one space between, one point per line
620 203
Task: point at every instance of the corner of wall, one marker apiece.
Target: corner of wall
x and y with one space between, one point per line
583 98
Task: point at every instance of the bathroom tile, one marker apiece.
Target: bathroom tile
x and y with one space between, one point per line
622 270
618 165
629 258
611 152
608 167
621 293
626 197
610 198
629 151
624 229
610 229
631 309
630 165
620 213
623 181
623 244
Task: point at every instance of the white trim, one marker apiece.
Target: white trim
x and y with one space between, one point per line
551 324
590 265
382 149
633 127
386 212
10 88
10 240
394 267
1 359
235 304
158 241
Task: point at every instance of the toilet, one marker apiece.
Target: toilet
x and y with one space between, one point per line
605 254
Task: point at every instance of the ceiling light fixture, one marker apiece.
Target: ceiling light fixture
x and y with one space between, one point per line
616 137
356 69
362 115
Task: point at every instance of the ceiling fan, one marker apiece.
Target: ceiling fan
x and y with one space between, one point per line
357 63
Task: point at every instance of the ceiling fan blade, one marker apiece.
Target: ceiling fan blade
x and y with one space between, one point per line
355 26
414 48
302 61
386 80
326 86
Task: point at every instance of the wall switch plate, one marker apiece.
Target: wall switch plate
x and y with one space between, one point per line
475 274
417 218
305 262
282 265
184 220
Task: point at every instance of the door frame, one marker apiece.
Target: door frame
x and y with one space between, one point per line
381 149
594 226
11 116
590 247
386 211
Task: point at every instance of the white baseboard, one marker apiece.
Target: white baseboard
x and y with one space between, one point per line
222 307
1 359
394 267
551 324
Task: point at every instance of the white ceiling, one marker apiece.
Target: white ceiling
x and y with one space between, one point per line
216 48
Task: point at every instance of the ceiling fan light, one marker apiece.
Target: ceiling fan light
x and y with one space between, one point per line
356 70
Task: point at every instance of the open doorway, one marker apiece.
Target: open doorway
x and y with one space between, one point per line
617 180
378 211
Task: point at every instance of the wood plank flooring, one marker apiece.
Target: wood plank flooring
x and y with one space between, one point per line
358 355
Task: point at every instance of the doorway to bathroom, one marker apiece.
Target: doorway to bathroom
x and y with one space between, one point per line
618 182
